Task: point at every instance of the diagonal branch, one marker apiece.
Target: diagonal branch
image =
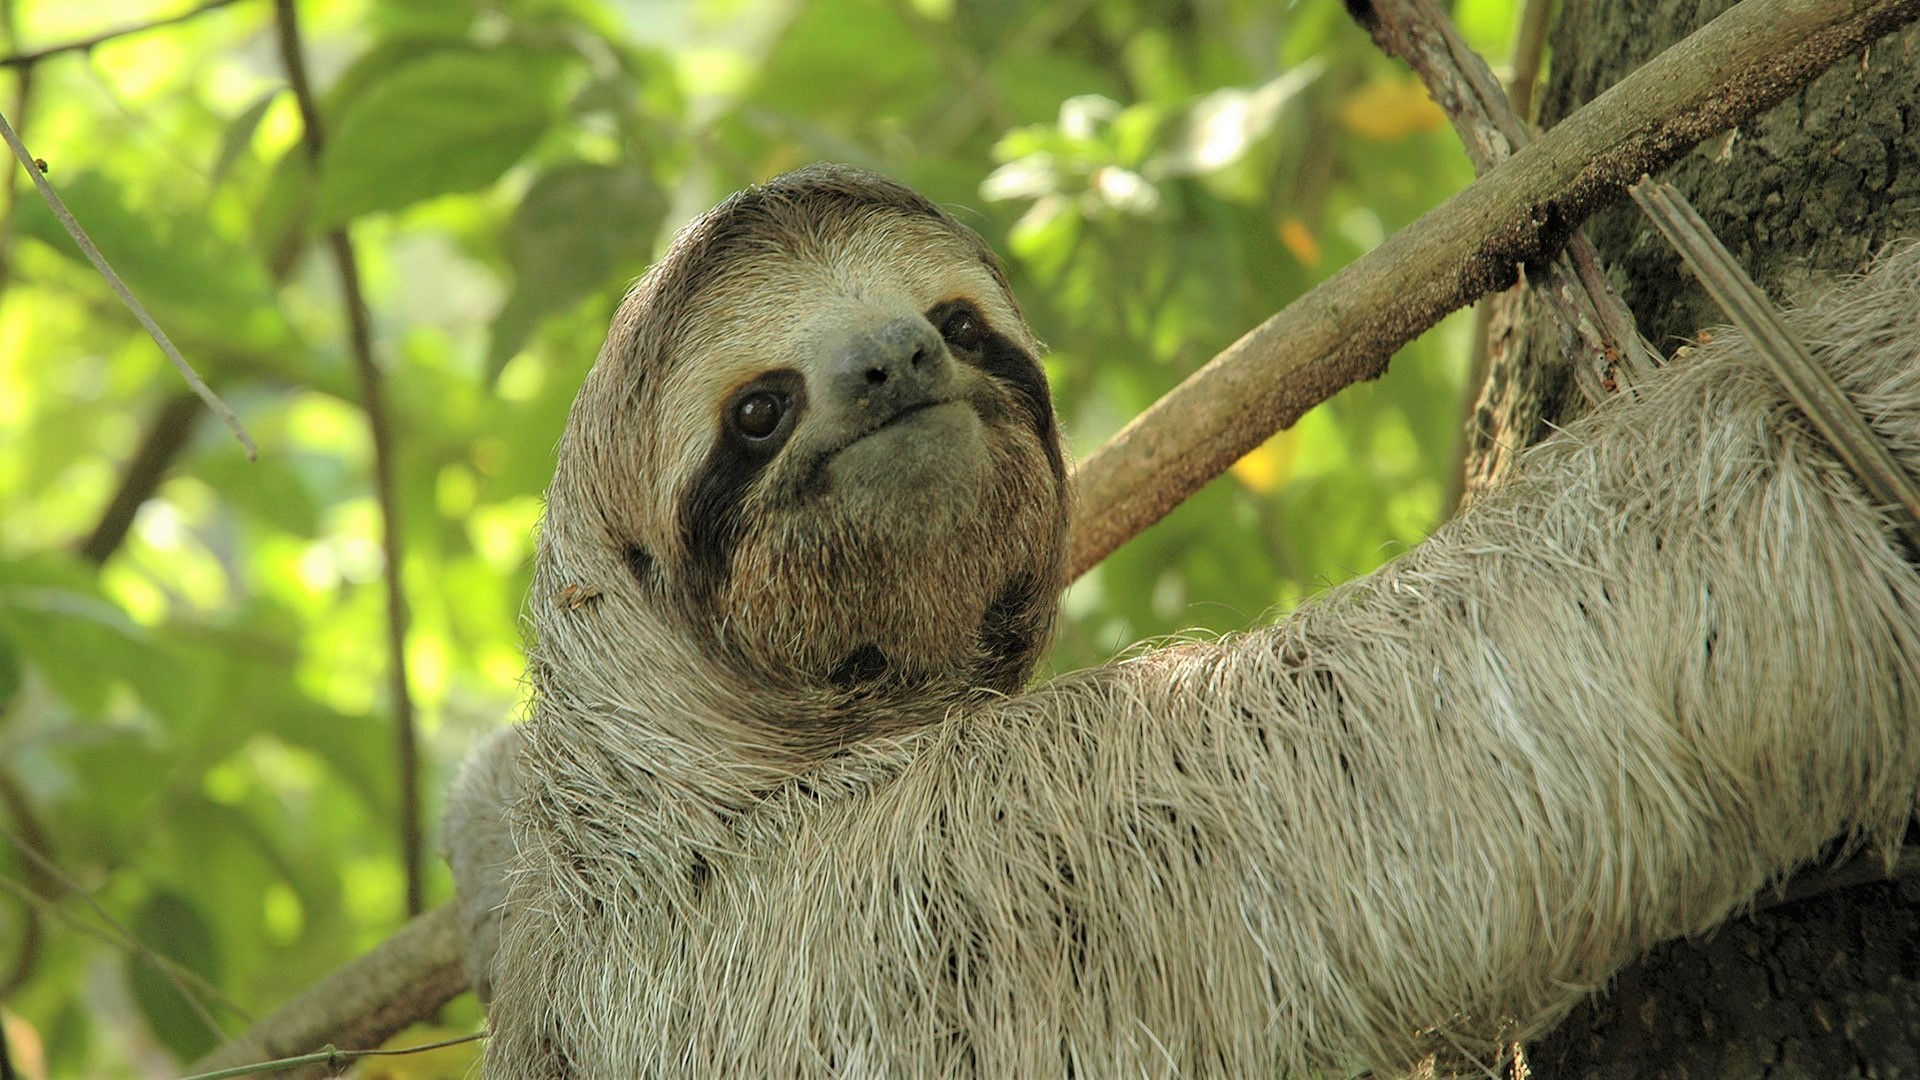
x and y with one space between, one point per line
164 438
87 44
1811 387
380 430
99 261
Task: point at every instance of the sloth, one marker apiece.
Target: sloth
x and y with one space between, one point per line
784 804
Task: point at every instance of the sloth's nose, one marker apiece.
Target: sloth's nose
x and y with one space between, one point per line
897 366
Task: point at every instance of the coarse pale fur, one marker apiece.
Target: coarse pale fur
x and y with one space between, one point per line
1670 661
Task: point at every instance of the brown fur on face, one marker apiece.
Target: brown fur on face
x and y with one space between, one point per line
856 567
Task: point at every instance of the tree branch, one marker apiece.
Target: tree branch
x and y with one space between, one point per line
1812 388
1598 330
380 430
1348 327
99 261
1341 332
163 440
1529 46
86 44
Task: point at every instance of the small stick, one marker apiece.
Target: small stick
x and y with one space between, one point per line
1811 386
87 44
99 262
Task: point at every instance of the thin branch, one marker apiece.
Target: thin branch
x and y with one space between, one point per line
99 262
1529 50
1348 327
165 437
38 883
1323 341
1602 340
380 430
87 44
1811 387
106 936
127 938
331 1059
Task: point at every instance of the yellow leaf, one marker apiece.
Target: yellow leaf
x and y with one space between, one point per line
1390 109
1267 466
1300 241
29 1056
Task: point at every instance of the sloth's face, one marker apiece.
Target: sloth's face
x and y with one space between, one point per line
851 474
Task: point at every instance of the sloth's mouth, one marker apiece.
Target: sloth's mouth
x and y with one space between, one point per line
904 414
814 476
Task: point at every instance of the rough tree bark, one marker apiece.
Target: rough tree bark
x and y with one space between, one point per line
1826 987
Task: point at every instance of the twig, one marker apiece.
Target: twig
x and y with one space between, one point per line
1321 342
1347 328
99 262
1810 385
1529 48
38 883
169 432
22 98
1602 339
333 1059
106 936
373 401
127 937
87 44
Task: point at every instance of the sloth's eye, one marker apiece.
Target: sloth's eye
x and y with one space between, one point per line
963 328
758 414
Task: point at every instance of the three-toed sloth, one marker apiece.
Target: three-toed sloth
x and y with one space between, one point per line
783 805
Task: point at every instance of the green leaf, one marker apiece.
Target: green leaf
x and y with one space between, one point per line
238 138
423 18
71 635
172 927
452 122
281 219
577 226
271 489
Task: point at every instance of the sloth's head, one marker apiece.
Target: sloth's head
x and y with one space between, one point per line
816 463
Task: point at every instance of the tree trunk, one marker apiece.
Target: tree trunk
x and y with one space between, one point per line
1828 986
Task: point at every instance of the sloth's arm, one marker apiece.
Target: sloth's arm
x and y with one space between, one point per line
479 848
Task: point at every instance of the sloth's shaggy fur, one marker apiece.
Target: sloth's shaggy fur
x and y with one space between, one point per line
1670 661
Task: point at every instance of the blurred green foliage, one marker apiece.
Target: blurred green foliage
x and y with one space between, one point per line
196 730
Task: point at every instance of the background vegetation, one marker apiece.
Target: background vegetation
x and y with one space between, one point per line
195 722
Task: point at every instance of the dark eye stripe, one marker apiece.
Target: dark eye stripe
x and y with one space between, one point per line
710 513
999 356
